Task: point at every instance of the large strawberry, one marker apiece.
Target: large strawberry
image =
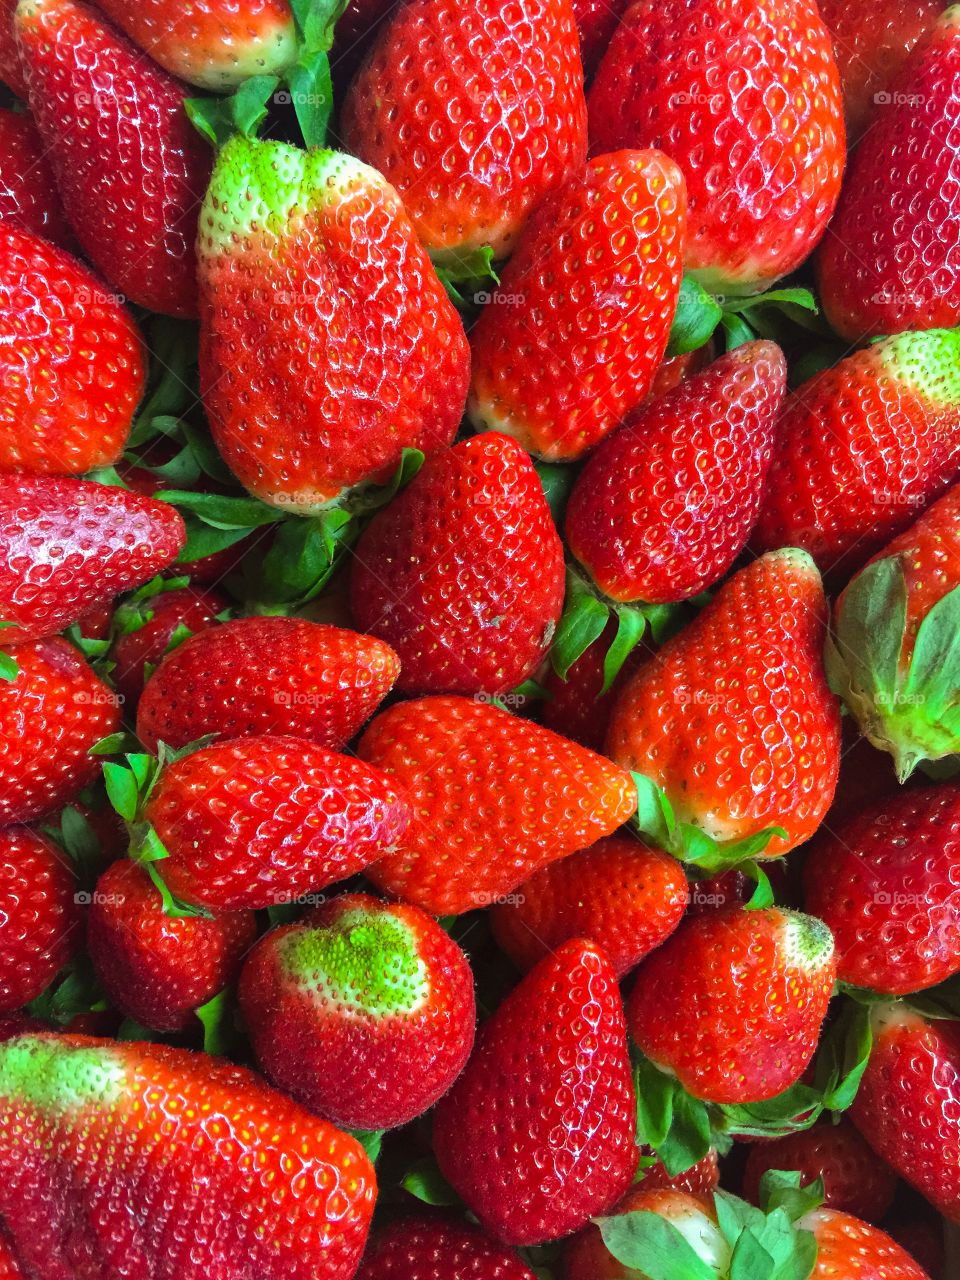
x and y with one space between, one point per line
229 1177
39 916
317 245
463 573
28 193
493 798
147 628
438 1247
538 1134
746 99
574 334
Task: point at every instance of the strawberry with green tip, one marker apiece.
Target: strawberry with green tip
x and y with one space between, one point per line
438 1247
39 915
28 194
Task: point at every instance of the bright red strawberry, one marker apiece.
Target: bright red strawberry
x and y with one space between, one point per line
463 573
699 1180
494 798
733 718
364 1012
9 1267
11 73
627 897
733 1003
68 545
28 193
436 1247
147 628
665 505
889 261
317 244
129 165
267 675
228 1176
855 1250
538 1134
156 968
51 714
574 334
864 447
71 364
39 916
597 20
746 99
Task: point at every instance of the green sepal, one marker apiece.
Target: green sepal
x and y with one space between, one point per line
9 670
281 913
736 332
784 1189
695 321
316 22
114 744
173 906
122 789
218 1022
222 510
91 649
557 480
585 617
136 610
426 1183
371 1140
469 276
311 92
656 820
218 119
75 990
651 1245
75 836
843 1055
131 1030
940 1003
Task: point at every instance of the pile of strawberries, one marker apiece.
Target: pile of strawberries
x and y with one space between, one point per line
479 640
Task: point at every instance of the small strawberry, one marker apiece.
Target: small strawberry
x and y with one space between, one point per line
574 335
597 20
39 916
538 1133
463 573
436 1247
28 193
575 705
146 630
11 73
855 1250
699 1180
494 798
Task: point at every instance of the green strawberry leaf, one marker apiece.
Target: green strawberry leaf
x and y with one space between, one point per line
652 1245
762 896
75 990
123 791
697 316
427 1184
737 332
941 1003
316 21
136 611
933 680
371 1140
582 623
782 1189
224 511
796 1109
173 906
469 276
282 913
557 481
205 540
691 1134
218 119
217 1019
842 1057
114 744
9 670
631 628
80 843
91 649
311 92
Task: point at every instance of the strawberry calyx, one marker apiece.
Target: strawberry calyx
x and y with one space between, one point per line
9 668
469 276
769 315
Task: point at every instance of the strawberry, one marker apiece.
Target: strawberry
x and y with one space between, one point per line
9 1267
538 1133
129 166
597 20
316 244
573 337
627 896
864 447
922 1238
11 73
853 1249
69 545
733 1003
155 968
71 369
732 723
575 704
436 1247
267 675
228 1176
28 193
364 1012
494 798
463 573
665 505
39 917
888 263
699 1180
149 627
746 99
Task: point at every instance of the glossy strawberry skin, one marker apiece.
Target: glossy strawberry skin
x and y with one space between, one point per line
39 915
597 20
11 72
463 573
103 540
434 1247
494 798
665 505
28 193
135 651
701 1179
578 326
857 1251
538 1134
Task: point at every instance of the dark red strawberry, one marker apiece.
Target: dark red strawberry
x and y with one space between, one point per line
597 20
28 193
11 72
146 630
436 1247
575 705
39 915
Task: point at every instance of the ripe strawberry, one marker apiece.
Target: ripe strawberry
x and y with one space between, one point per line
11 73
69 545
665 505
733 1003
863 447
364 1012
746 99
575 706
28 193
267 675
628 897
51 714
699 1180
494 798
71 364
576 331
463 573
228 1176
317 244
888 263
733 718
155 968
129 166
148 627
597 20
854 1250
435 1247
9 1267
538 1133
39 917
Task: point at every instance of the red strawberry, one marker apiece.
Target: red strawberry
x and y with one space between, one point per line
854 1250
435 1247
228 1176
888 263
699 1180
586 1257
364 1012
665 505
130 167
155 968
923 1240
463 573
494 798
864 447
597 20
68 545
579 324
39 917
267 675
28 193
51 714
11 73
316 244
733 1003
625 896
746 99
71 364
575 706
9 1267
147 628
673 369
538 1134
